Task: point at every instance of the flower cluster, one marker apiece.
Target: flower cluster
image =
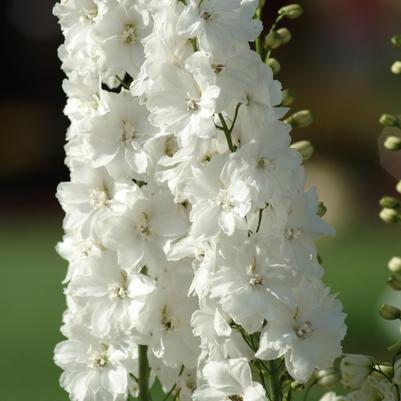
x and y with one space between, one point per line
189 233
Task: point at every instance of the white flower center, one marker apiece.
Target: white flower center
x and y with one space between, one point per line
99 198
303 330
262 164
167 321
218 68
128 35
128 132
88 15
254 277
143 228
192 105
207 15
171 146
224 200
293 233
120 290
99 360
199 254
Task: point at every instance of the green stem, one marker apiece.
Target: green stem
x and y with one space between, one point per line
274 384
143 380
227 133
258 43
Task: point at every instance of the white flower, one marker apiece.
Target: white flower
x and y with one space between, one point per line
85 198
251 276
140 232
229 380
355 369
375 388
219 24
120 33
220 199
116 139
94 369
111 296
267 166
165 324
231 72
183 105
308 335
332 397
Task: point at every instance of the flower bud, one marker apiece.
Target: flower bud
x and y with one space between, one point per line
395 347
288 97
396 68
386 369
301 119
396 40
262 3
392 143
390 202
395 282
274 65
292 11
327 378
321 209
389 216
277 38
397 372
305 148
394 264
388 120
355 369
389 312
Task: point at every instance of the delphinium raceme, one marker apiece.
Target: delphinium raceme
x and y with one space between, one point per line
190 236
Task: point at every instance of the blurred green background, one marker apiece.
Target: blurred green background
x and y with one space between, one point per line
338 63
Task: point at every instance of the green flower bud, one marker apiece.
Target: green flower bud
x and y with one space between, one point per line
389 312
398 187
327 378
393 143
301 119
390 202
396 68
386 369
388 120
395 282
389 216
262 3
277 38
394 264
292 11
274 65
288 97
305 148
395 347
396 40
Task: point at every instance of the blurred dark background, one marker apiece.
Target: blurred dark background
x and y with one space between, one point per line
338 63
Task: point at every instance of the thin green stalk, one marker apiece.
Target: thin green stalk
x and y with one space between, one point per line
227 133
274 384
143 380
258 43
